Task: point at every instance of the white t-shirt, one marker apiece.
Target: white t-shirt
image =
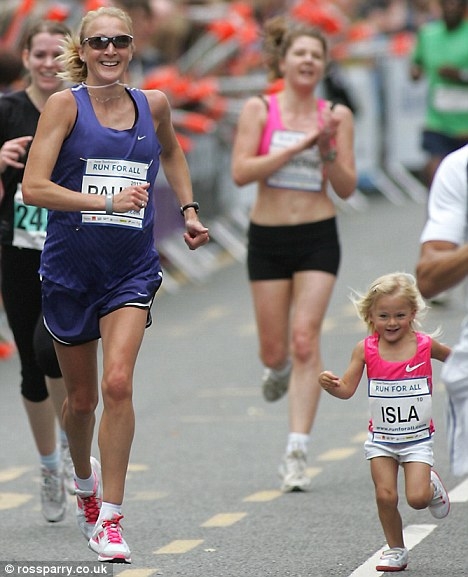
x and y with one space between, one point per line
448 205
448 200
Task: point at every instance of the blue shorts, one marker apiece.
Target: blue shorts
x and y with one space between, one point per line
420 452
72 317
438 144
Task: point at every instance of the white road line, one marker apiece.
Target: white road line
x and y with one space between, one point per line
459 494
413 534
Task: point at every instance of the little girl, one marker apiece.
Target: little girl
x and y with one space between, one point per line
399 374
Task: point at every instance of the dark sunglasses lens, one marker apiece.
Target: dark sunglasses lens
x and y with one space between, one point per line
121 41
102 42
98 42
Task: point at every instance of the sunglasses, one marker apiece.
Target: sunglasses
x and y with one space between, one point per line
102 42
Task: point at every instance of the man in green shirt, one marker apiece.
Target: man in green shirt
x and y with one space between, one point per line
441 54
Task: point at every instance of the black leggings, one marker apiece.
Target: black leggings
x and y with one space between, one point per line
21 292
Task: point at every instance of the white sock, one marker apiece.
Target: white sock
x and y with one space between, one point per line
108 510
85 484
297 441
284 371
52 461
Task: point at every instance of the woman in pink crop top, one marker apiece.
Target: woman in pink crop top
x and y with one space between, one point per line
294 145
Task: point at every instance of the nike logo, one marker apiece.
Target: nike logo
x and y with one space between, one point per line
141 137
410 369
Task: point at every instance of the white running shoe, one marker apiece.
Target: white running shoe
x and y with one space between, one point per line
88 503
53 497
395 559
108 543
440 503
68 469
274 386
293 472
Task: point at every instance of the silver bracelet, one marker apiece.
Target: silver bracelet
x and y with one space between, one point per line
109 203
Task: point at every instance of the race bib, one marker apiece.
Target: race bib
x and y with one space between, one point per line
401 411
110 177
30 222
303 171
451 99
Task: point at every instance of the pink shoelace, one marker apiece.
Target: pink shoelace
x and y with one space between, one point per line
91 506
112 529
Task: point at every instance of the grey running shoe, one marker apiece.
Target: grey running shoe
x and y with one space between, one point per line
53 497
108 543
395 559
68 470
293 472
88 503
440 503
274 386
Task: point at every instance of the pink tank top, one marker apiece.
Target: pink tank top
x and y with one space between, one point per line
274 122
400 393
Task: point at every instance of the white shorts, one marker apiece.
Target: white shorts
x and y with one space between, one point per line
421 452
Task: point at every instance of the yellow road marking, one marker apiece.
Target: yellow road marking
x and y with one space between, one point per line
337 454
215 313
179 546
12 500
137 467
313 471
223 520
263 496
360 437
138 572
12 473
147 495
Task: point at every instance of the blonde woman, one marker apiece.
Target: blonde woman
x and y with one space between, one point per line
93 164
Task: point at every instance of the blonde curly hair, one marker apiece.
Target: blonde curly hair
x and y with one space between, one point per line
400 283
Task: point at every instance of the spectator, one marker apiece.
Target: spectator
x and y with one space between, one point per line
441 55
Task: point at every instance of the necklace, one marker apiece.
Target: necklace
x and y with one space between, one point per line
97 99
102 100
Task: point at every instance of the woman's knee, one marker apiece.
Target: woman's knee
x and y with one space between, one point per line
305 344
81 403
116 386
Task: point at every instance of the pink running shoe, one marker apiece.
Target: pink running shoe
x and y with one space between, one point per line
108 543
88 503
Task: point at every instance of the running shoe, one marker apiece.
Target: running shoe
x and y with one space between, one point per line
88 503
53 497
274 386
108 543
395 559
440 503
68 470
293 472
